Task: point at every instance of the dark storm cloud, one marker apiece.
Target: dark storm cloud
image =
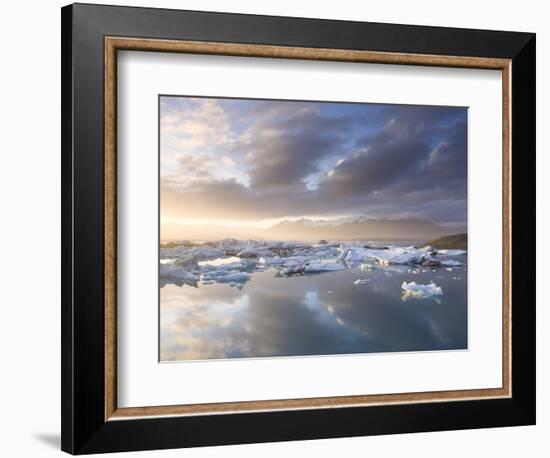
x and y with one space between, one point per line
404 157
448 159
326 159
410 167
379 162
284 153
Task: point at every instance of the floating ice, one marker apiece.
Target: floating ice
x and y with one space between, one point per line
232 276
242 264
175 271
414 290
366 267
222 261
300 265
292 268
323 266
451 252
197 252
247 253
450 263
361 281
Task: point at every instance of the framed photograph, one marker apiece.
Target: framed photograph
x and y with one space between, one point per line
281 228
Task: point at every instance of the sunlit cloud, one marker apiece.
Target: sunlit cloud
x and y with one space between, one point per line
257 160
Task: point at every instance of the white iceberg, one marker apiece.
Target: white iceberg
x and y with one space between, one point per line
174 271
384 257
247 253
366 267
187 261
300 265
407 257
219 261
323 266
225 267
224 276
451 252
414 290
199 252
450 263
292 268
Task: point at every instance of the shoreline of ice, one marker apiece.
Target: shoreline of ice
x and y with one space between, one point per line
233 261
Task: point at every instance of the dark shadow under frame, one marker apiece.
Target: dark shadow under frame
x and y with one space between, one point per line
90 420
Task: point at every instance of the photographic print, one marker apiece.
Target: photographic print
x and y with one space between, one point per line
307 228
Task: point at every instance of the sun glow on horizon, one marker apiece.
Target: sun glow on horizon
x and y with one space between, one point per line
258 224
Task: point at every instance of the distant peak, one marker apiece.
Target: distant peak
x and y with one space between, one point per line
351 219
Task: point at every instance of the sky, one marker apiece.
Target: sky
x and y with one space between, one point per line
248 162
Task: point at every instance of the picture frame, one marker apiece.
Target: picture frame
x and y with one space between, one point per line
92 35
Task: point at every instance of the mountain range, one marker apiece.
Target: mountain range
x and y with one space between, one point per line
354 227
358 228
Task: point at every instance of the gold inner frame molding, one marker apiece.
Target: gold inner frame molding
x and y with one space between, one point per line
114 44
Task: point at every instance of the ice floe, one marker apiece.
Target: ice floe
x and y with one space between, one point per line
232 276
247 253
234 261
323 266
414 290
451 252
450 263
190 277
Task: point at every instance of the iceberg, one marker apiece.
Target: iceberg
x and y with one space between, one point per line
301 265
451 252
387 257
450 263
239 265
247 253
176 271
292 268
199 252
232 276
361 281
414 290
231 260
407 257
323 266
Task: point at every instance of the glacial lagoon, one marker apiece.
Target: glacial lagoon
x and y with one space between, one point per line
236 299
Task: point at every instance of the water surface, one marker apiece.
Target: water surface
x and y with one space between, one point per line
313 314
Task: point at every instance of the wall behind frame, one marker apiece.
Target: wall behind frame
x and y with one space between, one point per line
30 229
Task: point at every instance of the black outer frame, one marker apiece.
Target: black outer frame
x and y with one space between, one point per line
84 429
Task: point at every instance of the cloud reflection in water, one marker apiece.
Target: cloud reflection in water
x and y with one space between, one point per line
308 315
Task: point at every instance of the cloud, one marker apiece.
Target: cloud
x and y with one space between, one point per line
402 157
194 122
267 320
285 147
266 159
